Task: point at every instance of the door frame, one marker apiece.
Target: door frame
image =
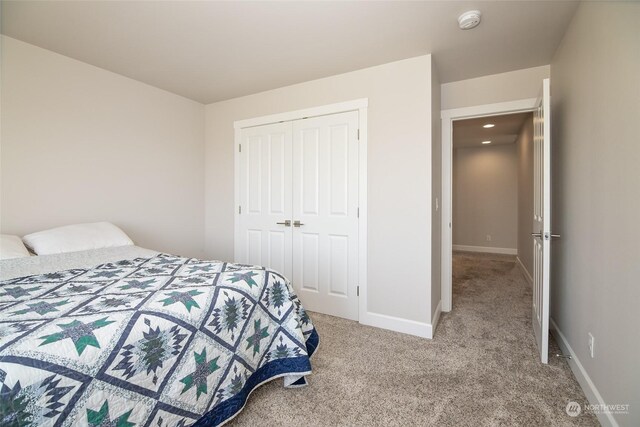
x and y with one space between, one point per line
359 105
448 117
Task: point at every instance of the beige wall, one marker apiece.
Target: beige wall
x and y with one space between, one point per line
595 92
436 189
485 196
82 144
524 146
399 181
504 87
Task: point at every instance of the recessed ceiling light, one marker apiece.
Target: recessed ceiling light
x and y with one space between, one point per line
488 125
486 142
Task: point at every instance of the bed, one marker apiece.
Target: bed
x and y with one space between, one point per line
127 336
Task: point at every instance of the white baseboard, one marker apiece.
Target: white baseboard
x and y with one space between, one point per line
589 388
525 272
397 324
436 318
486 249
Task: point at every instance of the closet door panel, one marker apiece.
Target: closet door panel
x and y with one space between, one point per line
308 170
325 197
265 197
339 170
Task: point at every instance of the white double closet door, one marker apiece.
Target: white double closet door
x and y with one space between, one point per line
298 210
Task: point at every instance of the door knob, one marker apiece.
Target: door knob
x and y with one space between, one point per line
286 223
297 223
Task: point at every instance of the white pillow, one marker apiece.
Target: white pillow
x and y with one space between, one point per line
12 247
74 238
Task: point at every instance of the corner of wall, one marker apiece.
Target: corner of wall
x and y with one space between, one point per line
436 195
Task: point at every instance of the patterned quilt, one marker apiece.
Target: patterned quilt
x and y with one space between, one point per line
161 341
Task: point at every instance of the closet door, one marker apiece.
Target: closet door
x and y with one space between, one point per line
265 197
325 213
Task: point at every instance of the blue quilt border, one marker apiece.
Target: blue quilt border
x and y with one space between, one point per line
232 406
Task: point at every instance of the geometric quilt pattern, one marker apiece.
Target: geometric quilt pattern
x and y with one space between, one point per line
161 341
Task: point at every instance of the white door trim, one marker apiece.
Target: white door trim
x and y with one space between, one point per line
340 107
448 117
360 105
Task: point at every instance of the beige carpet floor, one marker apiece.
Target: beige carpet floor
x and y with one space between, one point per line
481 369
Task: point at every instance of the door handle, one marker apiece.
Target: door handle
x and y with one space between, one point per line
286 223
547 236
297 223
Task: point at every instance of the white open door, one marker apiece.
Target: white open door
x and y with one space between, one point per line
542 220
325 213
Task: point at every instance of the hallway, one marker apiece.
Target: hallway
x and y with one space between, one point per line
492 315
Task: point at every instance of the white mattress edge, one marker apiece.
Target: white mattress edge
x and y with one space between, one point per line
42 264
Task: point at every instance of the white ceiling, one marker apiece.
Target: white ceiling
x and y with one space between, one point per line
210 51
470 133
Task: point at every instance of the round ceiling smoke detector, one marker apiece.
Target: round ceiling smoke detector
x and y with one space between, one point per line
469 20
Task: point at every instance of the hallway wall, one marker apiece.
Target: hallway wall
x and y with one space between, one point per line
485 197
503 87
